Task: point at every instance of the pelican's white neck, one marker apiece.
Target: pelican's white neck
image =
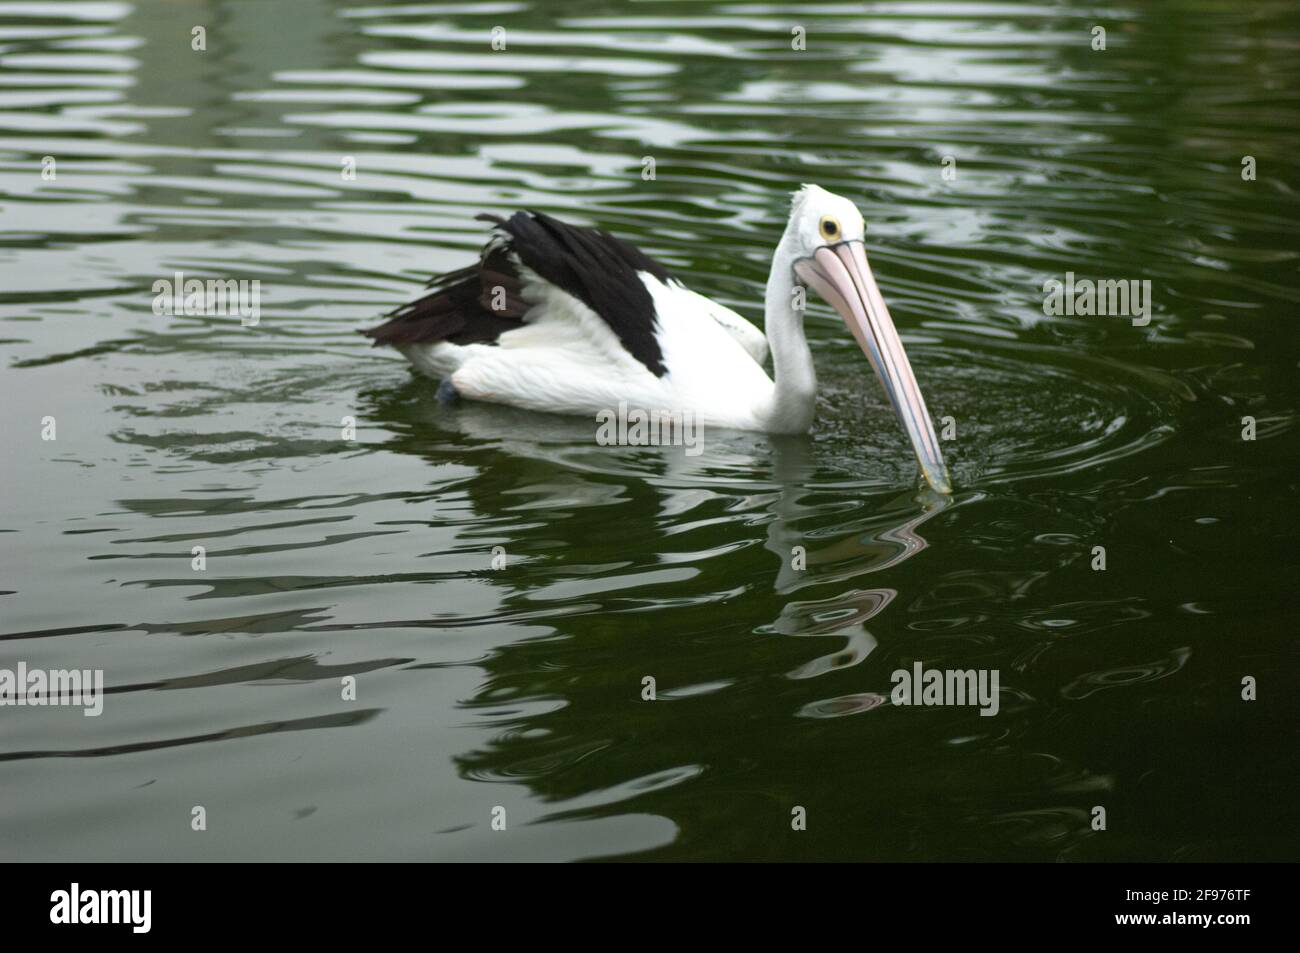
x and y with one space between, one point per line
795 397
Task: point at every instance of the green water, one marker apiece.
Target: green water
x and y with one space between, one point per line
521 687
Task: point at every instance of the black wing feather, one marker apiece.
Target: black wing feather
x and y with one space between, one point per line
458 307
595 267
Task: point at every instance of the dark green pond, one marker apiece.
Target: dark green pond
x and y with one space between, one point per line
521 687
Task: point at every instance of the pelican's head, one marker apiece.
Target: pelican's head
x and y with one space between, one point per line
825 238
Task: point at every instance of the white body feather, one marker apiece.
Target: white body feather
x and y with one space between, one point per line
567 360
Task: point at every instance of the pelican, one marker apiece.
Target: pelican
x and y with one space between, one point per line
572 320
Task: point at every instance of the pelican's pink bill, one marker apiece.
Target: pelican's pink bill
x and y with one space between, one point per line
841 275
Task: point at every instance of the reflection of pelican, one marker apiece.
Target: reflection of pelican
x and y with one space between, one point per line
883 539
573 320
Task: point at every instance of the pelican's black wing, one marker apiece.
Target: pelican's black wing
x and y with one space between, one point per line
601 271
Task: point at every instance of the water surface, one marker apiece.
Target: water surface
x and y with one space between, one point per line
521 687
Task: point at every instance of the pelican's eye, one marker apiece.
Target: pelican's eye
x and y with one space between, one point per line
830 228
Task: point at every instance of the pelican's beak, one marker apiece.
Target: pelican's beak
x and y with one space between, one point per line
841 275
